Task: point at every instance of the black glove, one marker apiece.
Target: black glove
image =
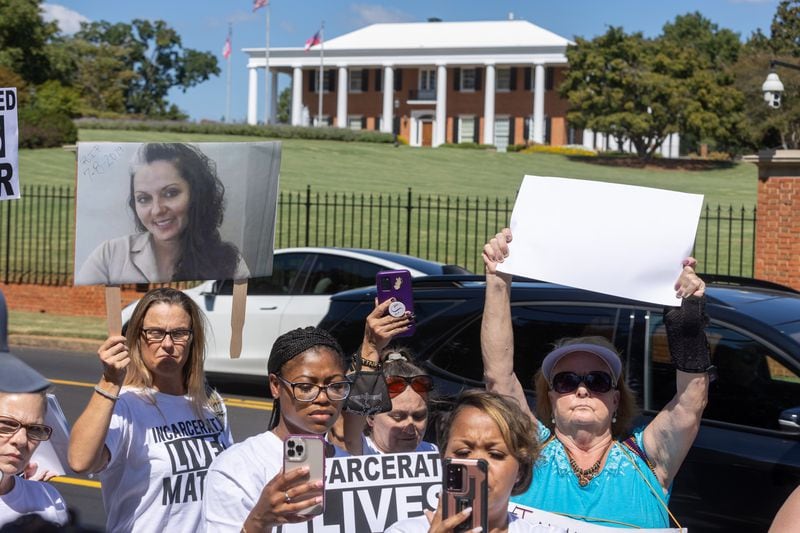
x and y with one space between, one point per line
368 392
686 335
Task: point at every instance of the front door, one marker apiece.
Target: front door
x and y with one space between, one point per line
427 133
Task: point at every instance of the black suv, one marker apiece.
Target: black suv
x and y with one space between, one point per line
746 459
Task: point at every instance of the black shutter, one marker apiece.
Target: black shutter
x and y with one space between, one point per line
456 79
548 124
398 79
478 79
512 122
526 132
512 82
378 80
331 80
363 123
396 125
476 136
528 78
549 73
311 75
364 80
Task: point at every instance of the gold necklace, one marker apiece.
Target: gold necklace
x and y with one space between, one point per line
584 475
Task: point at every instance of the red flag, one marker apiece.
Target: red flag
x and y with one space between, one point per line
226 50
311 41
259 3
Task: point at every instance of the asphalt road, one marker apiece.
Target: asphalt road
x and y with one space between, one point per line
74 374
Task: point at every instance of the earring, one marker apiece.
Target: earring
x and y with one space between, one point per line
614 418
553 420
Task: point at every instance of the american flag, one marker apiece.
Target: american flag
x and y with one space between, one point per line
226 49
311 41
259 3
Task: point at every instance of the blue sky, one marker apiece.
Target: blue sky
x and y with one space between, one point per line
203 25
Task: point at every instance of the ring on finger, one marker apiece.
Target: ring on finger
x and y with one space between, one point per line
286 497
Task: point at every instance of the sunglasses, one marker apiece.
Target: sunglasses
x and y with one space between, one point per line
397 384
596 381
9 426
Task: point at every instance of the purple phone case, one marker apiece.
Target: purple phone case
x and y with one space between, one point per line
398 287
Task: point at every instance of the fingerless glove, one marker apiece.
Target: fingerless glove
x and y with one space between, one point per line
686 335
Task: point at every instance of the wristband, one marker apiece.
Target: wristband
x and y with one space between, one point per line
105 394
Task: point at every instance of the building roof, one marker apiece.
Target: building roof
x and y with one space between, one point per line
438 35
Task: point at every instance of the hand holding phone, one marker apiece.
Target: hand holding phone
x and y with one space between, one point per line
466 485
397 284
306 450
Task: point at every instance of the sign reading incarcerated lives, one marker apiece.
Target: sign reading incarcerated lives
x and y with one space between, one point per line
9 139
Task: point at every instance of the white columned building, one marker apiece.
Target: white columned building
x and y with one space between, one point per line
297 96
488 105
252 95
387 113
537 133
440 136
341 97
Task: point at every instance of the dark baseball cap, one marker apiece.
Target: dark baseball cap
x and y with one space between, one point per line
17 377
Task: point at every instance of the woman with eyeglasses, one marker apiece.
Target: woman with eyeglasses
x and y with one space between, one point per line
246 487
23 404
594 466
152 426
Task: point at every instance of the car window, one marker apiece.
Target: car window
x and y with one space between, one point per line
536 328
334 273
287 272
752 385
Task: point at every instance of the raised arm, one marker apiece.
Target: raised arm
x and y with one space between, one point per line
87 449
497 334
670 435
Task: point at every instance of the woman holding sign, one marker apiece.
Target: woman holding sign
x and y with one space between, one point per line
247 488
177 201
594 466
152 426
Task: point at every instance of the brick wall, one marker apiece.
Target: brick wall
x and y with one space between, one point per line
75 301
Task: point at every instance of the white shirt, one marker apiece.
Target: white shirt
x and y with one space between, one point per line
420 524
160 455
369 447
28 497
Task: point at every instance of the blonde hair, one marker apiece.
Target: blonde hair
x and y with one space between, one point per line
627 409
193 376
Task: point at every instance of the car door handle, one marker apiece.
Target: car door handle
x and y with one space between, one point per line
271 308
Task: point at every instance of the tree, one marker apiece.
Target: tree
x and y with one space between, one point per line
785 38
23 36
645 89
285 106
153 52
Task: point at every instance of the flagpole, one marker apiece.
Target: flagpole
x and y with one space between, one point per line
266 72
321 71
228 93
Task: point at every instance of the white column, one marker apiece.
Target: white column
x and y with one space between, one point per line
297 96
538 104
664 148
440 135
588 139
341 98
675 145
273 96
388 99
612 144
488 105
252 95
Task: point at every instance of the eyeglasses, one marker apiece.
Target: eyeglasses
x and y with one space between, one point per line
9 426
158 334
596 381
308 392
397 384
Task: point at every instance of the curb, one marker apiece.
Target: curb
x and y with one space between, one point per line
68 344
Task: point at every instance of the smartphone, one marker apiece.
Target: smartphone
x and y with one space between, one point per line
466 485
306 450
397 284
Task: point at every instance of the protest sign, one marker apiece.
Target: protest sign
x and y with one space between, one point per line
571 525
615 239
9 142
51 454
368 493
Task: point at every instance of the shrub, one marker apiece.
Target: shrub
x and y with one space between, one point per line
278 131
38 129
561 150
469 146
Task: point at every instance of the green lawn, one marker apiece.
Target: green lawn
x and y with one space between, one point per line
379 168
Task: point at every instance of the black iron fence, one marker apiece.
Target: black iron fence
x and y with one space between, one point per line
37 231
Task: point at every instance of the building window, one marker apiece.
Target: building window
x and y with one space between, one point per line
355 83
503 78
325 120
466 129
427 79
468 79
330 79
355 122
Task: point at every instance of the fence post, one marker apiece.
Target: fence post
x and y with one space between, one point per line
308 212
408 222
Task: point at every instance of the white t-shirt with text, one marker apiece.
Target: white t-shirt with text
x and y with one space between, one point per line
27 497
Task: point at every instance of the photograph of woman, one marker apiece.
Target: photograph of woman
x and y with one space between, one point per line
178 202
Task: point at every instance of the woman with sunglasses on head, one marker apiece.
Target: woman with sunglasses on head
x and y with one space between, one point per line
246 488
594 466
23 404
488 426
152 426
